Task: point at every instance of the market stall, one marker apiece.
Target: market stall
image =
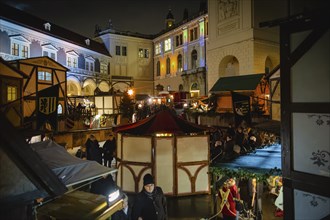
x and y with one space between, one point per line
174 150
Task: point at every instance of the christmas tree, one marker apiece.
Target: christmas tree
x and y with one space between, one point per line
127 105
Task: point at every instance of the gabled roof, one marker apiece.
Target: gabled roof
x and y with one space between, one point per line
237 83
163 121
32 22
11 68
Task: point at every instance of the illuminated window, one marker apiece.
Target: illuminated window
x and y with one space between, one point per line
25 51
59 109
146 53
158 48
44 76
20 46
143 53
11 93
15 49
140 53
168 44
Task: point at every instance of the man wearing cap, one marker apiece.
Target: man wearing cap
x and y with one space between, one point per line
150 203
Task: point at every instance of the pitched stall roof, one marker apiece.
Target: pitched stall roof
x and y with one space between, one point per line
162 122
35 23
237 83
23 177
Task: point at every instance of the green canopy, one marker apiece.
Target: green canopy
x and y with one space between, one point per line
236 83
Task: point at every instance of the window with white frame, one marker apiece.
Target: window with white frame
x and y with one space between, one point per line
89 63
72 59
158 48
11 93
20 46
168 44
50 51
44 76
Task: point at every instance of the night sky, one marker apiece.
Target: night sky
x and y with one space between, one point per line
142 16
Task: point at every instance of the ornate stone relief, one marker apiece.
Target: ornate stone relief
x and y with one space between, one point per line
228 16
227 9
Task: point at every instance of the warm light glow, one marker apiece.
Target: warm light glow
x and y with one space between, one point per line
164 135
130 92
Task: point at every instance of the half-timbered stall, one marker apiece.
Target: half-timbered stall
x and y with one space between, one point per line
173 150
11 84
43 73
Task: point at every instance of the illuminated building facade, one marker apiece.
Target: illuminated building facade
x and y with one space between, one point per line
180 56
25 36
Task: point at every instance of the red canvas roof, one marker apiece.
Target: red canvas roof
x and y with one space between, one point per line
162 122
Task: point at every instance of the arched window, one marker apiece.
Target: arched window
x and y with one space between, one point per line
180 64
194 59
158 68
168 65
59 109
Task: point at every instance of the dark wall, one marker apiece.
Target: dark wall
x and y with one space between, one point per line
4 42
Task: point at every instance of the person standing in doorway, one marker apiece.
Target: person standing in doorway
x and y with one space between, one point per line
150 203
109 149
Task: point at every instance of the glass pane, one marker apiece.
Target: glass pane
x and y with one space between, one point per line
311 74
310 206
311 143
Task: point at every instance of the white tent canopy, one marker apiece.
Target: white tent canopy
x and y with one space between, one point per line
69 169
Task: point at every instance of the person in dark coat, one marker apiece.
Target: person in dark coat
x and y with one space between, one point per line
125 213
150 203
109 149
94 152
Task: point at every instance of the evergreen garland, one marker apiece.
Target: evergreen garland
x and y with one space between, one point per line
244 173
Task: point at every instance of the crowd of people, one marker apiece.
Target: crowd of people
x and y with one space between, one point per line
228 143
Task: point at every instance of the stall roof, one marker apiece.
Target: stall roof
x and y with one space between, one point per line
69 169
23 177
237 83
163 121
261 161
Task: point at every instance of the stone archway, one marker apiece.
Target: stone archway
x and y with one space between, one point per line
104 86
88 87
73 86
229 66
268 65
